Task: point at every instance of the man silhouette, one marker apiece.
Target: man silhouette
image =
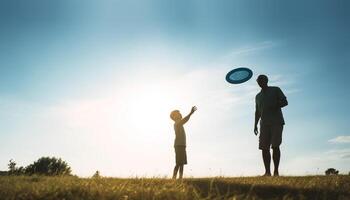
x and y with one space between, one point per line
269 102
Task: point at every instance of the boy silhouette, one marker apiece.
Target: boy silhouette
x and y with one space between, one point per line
180 140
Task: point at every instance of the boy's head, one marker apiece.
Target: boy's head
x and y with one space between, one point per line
175 115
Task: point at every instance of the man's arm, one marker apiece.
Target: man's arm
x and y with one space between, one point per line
282 99
257 117
185 119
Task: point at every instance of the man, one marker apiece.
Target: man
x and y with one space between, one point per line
269 102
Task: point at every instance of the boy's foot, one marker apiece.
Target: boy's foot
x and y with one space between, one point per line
267 174
276 174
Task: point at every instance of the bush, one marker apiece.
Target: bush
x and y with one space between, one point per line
13 169
48 166
331 171
96 174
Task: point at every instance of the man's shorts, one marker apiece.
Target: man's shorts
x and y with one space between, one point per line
270 136
180 154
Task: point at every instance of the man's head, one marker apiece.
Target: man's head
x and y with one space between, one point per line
175 115
262 81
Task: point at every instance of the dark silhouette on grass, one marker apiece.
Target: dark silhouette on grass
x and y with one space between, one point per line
269 102
96 174
331 171
180 140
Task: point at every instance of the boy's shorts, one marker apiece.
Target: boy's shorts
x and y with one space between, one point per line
180 155
270 136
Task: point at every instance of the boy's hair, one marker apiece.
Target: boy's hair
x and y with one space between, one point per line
173 114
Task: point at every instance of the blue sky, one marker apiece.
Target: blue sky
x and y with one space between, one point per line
93 82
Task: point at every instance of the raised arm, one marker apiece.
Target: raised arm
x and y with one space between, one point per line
185 119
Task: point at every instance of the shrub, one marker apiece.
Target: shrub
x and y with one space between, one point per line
49 166
96 175
331 171
13 169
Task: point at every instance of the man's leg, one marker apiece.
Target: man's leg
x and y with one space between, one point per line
181 171
276 159
276 142
267 161
264 145
176 168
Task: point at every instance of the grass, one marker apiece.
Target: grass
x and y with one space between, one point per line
308 187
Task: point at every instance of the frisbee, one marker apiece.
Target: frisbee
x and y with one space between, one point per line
239 75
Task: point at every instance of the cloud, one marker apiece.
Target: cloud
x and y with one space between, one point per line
340 139
317 162
346 156
338 154
252 48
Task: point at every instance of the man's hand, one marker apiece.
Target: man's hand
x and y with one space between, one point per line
194 108
256 130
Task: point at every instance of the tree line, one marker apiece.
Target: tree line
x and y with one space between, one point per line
51 166
47 166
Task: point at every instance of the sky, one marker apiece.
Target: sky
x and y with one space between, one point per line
94 82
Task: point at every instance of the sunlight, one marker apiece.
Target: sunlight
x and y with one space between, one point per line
148 107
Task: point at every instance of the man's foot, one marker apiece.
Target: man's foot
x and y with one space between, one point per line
276 174
267 174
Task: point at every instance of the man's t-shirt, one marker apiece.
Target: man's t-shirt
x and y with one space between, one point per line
180 135
268 105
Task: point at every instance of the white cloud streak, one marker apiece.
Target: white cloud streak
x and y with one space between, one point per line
340 139
317 163
252 48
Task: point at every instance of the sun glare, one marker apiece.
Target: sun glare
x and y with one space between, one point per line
149 106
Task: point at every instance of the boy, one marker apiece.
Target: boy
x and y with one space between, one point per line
180 140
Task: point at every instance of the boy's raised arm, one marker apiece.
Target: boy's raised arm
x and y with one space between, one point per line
185 119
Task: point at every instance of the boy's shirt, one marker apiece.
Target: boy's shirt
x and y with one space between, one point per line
180 135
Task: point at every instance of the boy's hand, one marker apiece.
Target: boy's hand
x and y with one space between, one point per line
194 108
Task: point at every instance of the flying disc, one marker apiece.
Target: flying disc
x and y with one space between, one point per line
239 75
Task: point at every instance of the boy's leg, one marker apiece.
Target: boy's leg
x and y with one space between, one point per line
267 160
176 168
276 159
181 171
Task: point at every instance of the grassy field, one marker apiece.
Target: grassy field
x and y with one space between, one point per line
309 187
